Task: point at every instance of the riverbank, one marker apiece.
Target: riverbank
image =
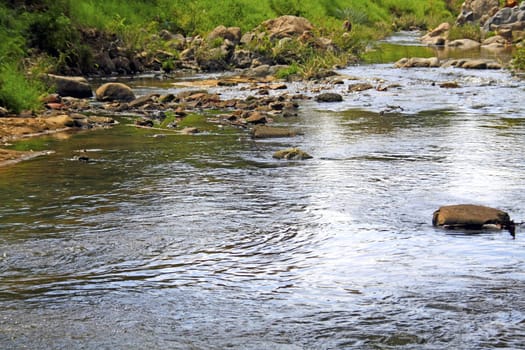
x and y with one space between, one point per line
17 128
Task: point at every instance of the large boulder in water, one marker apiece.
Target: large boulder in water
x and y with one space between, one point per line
329 97
77 87
470 216
115 92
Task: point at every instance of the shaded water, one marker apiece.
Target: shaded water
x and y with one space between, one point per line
205 241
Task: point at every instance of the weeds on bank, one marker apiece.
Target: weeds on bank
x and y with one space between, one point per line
466 31
17 91
518 60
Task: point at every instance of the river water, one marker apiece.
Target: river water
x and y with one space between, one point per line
207 242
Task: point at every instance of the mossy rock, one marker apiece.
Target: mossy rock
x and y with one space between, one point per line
292 154
263 131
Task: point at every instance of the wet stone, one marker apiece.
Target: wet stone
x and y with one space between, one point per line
329 97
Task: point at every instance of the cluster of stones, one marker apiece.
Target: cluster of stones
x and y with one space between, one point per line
222 49
508 23
235 112
435 62
252 113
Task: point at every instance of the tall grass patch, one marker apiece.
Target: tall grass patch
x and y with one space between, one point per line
18 92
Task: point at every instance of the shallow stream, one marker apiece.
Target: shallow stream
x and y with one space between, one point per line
207 242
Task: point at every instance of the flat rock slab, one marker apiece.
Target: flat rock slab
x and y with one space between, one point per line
471 216
262 131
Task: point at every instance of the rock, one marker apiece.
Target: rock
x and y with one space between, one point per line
474 10
479 64
167 98
3 112
287 26
278 86
496 40
77 87
359 87
292 154
464 44
98 120
417 62
190 130
232 34
449 85
263 131
260 71
256 118
329 97
114 92
242 58
481 7
104 62
469 216
437 36
494 47
61 121
510 18
143 100
144 122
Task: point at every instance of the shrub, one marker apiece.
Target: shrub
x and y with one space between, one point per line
286 7
467 31
285 73
17 92
518 60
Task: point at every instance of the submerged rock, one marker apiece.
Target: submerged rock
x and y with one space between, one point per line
434 62
292 154
469 216
263 131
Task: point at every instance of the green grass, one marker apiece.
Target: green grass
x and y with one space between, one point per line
466 31
18 92
518 60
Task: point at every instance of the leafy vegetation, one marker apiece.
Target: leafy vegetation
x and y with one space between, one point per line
466 31
18 92
50 31
518 61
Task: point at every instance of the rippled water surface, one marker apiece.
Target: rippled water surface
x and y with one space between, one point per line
207 242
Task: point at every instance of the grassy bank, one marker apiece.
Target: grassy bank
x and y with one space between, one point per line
38 36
